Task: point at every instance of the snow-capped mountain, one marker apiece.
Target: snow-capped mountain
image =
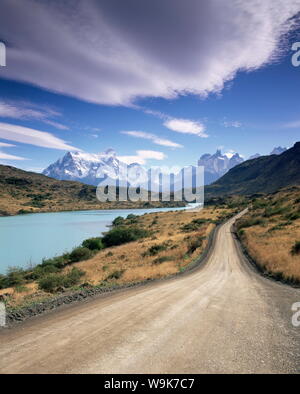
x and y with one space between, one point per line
89 168
255 156
217 165
278 150
95 168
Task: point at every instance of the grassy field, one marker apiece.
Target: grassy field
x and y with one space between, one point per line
271 233
163 244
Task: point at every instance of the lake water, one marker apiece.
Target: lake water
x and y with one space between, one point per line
27 239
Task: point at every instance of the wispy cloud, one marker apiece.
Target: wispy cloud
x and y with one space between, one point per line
113 52
6 156
5 145
234 123
292 125
30 136
30 111
186 126
154 138
142 156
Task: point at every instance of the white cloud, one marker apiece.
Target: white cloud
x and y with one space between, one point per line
5 145
30 136
6 156
57 125
154 138
142 156
186 126
112 52
29 111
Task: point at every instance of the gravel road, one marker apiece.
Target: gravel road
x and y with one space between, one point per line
222 318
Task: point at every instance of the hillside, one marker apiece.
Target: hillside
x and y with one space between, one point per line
28 192
264 174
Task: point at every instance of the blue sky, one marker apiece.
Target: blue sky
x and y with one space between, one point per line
249 108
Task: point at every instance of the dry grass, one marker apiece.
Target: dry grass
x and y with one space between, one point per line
270 242
132 258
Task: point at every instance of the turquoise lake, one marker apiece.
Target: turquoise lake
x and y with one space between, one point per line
26 239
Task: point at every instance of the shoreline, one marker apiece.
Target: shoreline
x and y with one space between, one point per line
16 316
86 209
151 210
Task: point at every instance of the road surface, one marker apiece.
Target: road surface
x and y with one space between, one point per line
221 318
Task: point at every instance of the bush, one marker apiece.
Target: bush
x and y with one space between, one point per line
72 278
193 244
155 249
53 282
15 276
121 235
3 282
50 283
41 270
293 216
115 275
93 243
79 254
132 218
118 221
296 248
59 261
163 259
275 211
193 225
242 223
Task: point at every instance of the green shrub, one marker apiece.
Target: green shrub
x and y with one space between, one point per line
296 248
121 235
93 243
79 254
193 244
193 225
242 223
155 249
163 259
118 221
3 282
115 275
15 276
52 282
259 203
277 210
131 216
23 212
58 261
241 233
41 270
293 215
72 278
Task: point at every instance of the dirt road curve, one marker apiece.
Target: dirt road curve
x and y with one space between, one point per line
222 318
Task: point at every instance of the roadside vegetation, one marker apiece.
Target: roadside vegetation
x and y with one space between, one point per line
270 232
135 249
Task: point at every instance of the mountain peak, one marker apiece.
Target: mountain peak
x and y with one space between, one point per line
278 150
